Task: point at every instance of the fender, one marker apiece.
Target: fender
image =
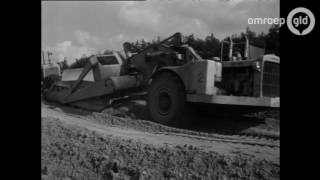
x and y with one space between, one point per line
179 71
197 77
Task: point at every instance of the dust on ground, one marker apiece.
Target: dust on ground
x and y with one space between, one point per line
118 144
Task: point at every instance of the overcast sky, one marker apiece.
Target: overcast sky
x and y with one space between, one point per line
71 29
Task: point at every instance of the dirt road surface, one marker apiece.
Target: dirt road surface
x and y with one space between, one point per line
77 144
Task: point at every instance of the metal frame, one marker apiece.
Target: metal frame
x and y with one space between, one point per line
235 100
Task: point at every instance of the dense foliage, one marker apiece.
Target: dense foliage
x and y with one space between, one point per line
210 46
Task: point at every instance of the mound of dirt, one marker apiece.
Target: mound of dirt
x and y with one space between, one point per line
115 144
74 152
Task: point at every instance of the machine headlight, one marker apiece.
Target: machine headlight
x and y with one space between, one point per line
179 56
258 66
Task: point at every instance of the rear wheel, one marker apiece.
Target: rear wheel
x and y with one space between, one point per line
166 99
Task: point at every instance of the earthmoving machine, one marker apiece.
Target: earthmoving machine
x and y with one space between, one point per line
50 72
173 75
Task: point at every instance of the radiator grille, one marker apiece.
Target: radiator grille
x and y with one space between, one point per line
271 79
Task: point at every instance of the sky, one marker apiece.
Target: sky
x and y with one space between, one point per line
72 29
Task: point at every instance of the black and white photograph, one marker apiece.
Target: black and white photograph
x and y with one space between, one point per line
163 89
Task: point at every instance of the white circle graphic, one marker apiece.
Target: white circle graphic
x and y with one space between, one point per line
299 21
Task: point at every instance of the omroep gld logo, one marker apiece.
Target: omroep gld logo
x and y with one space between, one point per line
300 21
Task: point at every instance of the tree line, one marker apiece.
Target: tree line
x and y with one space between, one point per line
210 46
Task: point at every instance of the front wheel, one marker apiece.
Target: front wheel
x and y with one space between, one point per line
166 99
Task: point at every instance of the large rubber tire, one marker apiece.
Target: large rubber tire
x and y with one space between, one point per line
49 80
167 99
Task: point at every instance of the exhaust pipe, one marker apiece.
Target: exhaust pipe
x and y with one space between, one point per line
246 52
230 49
